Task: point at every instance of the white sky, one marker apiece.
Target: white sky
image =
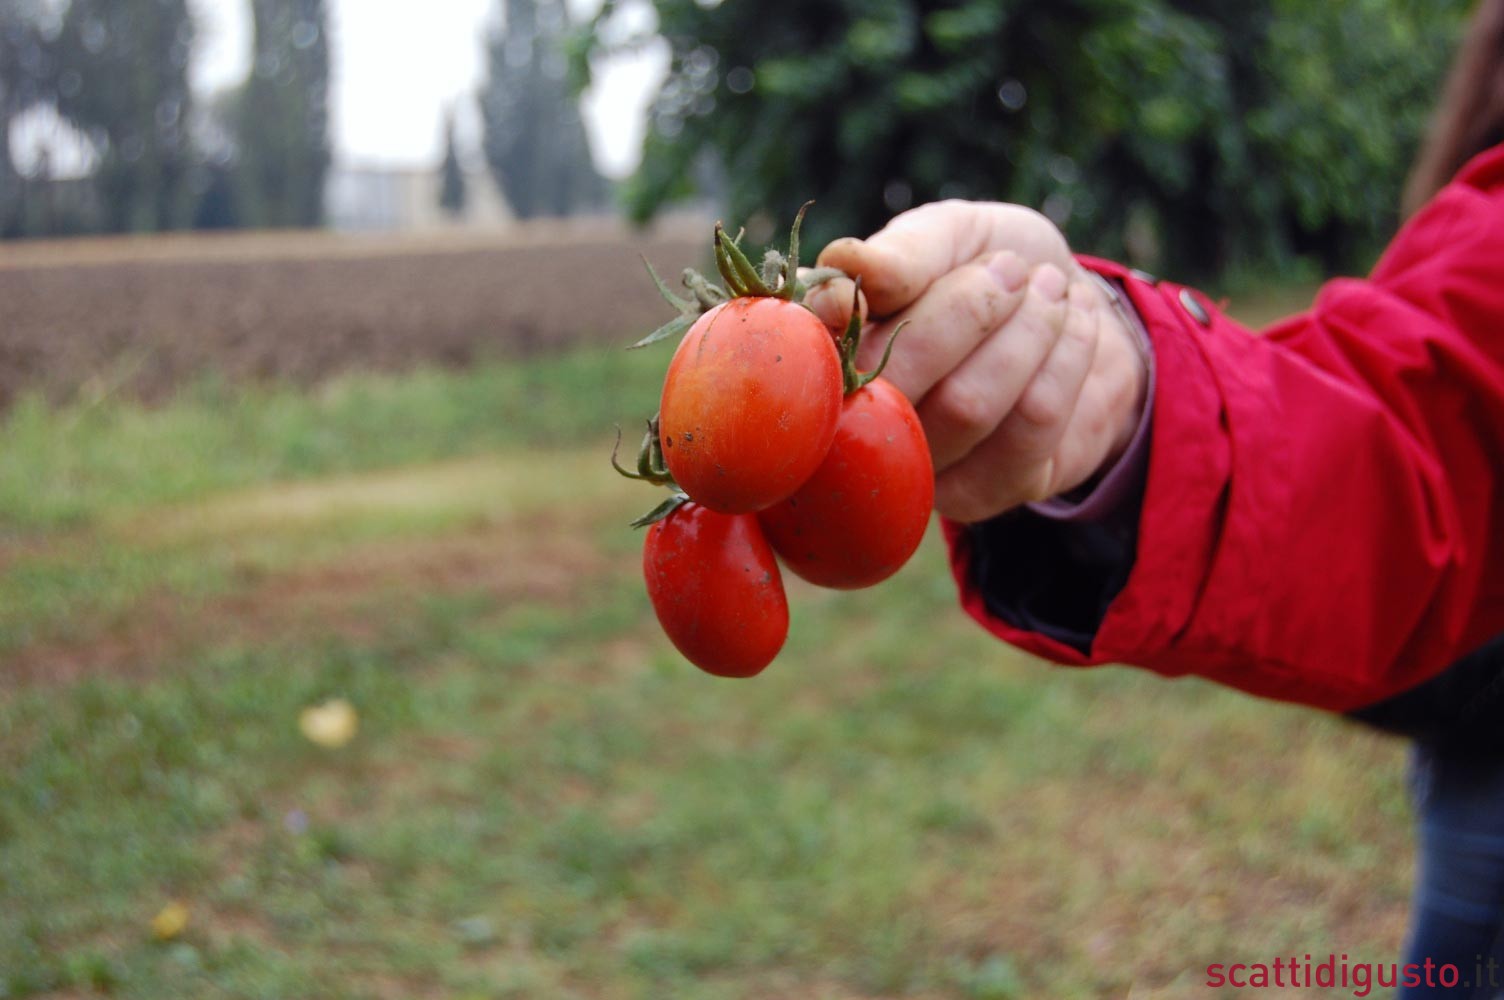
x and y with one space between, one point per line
390 118
385 117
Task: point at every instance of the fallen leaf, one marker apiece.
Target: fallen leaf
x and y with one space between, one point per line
332 724
170 922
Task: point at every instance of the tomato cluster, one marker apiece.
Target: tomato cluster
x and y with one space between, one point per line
773 443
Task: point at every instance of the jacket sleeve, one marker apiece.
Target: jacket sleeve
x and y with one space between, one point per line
1322 517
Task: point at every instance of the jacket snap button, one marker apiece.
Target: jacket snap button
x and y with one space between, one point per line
1193 306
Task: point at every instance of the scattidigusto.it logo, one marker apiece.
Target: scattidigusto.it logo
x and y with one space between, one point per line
1361 978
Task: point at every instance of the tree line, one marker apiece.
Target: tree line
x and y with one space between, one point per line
117 72
256 155
1202 135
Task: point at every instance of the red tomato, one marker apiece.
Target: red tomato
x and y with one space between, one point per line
863 513
750 404
715 585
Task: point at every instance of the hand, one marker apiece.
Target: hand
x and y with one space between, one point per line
1026 380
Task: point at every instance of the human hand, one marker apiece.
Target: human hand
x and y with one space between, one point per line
1026 379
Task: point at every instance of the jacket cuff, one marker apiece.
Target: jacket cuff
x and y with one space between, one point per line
1175 319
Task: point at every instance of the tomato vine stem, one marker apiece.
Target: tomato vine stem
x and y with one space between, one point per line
852 379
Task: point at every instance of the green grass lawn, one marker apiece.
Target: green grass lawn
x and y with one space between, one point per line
543 799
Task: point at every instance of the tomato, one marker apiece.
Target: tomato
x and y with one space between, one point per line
750 404
715 585
864 511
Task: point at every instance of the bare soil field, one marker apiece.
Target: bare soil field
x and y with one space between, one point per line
142 315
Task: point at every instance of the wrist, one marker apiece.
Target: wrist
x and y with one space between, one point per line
1127 360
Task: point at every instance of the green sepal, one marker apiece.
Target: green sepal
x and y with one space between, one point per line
741 277
866 377
661 511
791 266
677 326
706 298
681 305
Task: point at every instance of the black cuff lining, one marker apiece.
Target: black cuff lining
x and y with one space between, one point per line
1056 578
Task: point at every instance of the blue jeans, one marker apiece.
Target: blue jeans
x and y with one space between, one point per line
1458 916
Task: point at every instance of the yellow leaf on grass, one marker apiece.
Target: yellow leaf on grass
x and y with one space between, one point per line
332 724
170 922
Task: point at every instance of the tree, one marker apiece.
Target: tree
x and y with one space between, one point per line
220 179
24 69
1359 79
534 138
451 174
122 80
1245 131
282 116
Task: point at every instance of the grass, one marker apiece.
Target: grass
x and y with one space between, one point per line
543 800
94 460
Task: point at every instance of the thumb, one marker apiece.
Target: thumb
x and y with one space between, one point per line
891 280
898 263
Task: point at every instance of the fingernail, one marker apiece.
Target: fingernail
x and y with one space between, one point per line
1009 269
836 249
1049 282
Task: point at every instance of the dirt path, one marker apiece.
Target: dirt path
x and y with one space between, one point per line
494 531
538 559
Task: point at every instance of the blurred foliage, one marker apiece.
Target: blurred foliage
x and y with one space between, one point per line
534 138
22 71
121 78
281 116
1199 136
118 72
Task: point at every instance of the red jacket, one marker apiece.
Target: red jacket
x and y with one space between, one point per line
1323 520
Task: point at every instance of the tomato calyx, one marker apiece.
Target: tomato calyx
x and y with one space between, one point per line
778 277
651 468
851 378
705 297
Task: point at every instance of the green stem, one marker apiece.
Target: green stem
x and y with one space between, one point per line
851 378
650 467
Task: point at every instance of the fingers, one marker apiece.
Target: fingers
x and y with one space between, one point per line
967 405
1110 408
962 310
904 259
1016 463
831 302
